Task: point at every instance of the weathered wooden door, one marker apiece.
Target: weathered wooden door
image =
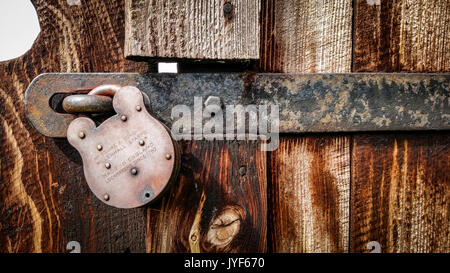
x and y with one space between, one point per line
315 193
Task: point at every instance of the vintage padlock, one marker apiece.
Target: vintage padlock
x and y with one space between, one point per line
130 158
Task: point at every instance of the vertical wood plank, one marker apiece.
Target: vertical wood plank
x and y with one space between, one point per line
400 181
44 199
400 192
310 194
218 204
306 36
192 29
310 175
401 35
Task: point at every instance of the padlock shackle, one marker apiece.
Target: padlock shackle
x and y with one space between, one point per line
105 90
98 100
77 104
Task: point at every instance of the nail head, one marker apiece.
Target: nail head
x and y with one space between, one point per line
227 8
242 170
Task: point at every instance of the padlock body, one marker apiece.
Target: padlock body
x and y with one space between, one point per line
130 158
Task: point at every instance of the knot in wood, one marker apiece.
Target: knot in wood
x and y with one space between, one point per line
225 226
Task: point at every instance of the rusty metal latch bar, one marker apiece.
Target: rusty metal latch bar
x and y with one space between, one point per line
307 102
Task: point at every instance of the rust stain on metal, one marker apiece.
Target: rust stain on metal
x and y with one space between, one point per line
307 102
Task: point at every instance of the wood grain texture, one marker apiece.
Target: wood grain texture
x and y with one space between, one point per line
44 199
306 36
310 175
401 35
219 203
401 192
192 29
309 194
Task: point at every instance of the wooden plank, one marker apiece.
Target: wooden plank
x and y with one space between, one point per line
400 192
192 29
306 36
400 182
309 204
310 194
44 200
401 35
218 204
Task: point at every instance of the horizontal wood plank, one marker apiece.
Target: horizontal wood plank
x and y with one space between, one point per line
194 29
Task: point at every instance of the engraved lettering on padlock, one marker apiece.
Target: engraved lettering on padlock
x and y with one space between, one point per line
124 159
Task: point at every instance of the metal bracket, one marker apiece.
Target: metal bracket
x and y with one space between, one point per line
307 102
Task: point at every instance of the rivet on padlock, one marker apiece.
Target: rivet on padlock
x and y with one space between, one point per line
127 159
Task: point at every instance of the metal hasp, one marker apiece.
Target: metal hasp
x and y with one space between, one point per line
307 102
